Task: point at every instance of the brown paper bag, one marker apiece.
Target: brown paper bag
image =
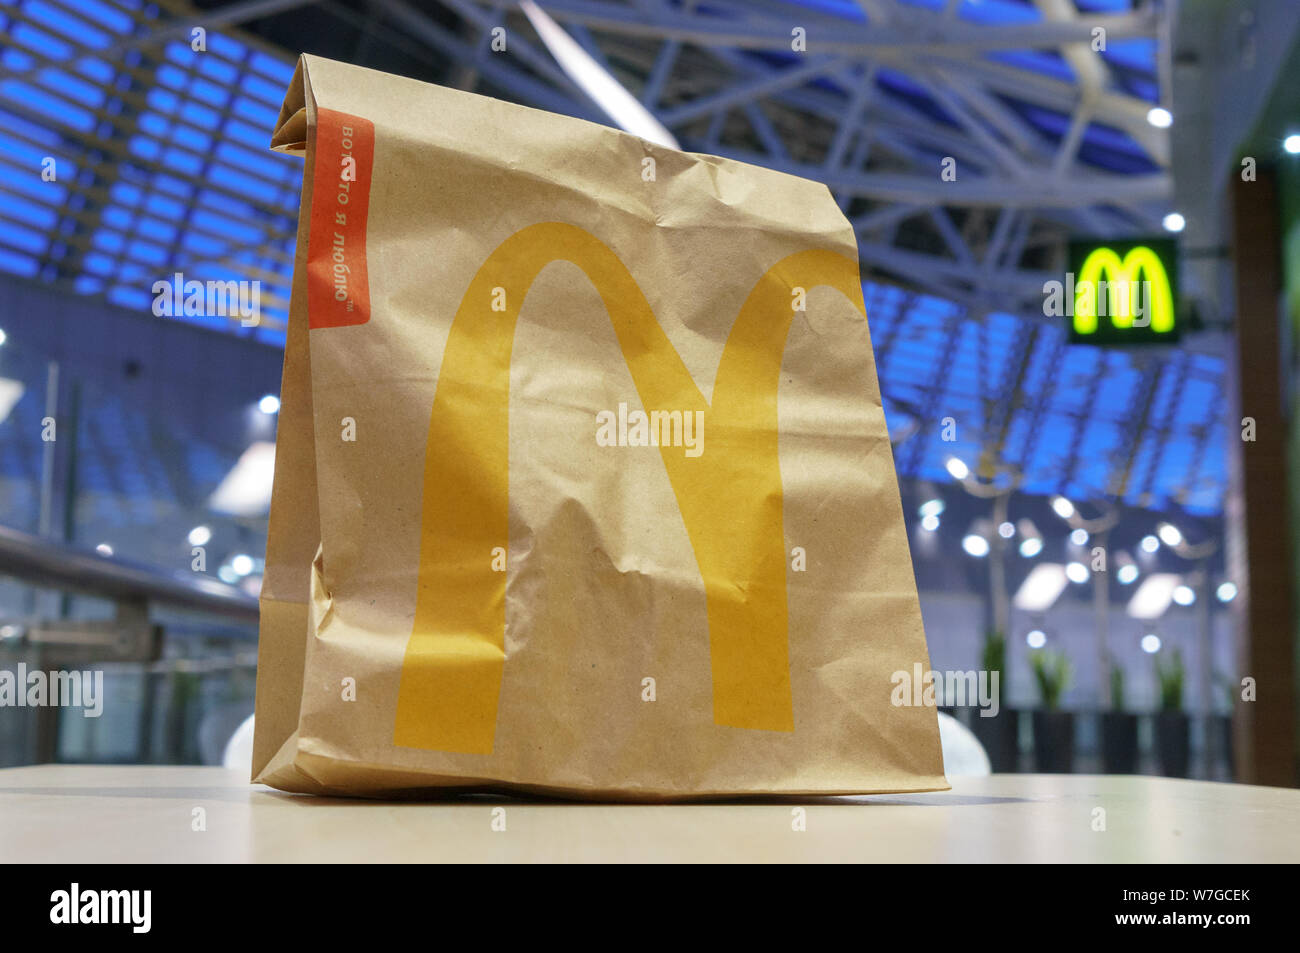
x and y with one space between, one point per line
582 482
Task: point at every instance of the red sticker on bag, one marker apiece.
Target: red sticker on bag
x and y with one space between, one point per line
338 286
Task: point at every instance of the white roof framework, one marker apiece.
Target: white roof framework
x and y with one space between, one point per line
1041 107
163 167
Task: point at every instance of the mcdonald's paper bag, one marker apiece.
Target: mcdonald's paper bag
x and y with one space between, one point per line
582 482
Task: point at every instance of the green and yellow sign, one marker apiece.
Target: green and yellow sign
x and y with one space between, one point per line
1123 292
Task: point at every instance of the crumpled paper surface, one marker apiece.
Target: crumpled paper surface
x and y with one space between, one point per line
470 584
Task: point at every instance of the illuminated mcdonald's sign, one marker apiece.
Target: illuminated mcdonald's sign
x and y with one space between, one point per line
1123 292
730 497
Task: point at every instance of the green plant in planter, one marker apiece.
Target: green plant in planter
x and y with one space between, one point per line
1052 672
1170 678
994 656
1116 687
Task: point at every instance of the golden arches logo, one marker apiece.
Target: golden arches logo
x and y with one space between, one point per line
454 662
1120 277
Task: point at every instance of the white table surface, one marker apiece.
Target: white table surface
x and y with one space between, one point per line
79 814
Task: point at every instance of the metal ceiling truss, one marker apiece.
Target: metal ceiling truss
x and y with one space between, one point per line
1047 143
723 77
135 59
872 108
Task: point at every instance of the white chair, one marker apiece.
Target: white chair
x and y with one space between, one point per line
239 749
963 755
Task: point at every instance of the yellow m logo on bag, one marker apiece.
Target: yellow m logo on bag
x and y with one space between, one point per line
730 497
1120 277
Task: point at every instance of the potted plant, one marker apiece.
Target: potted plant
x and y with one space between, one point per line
1172 726
1053 728
999 734
1119 730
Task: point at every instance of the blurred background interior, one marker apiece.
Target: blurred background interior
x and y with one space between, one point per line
132 542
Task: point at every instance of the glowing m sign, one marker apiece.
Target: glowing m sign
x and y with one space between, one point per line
1124 293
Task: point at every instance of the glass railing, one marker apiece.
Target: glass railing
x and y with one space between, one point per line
104 487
